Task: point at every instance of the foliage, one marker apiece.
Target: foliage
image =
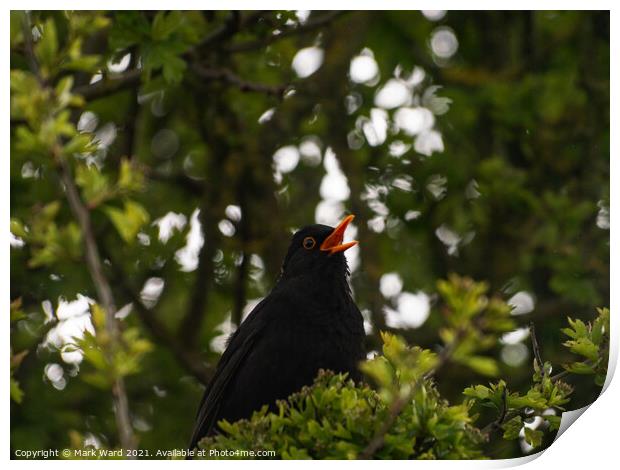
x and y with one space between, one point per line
548 395
336 418
150 209
108 360
473 323
590 341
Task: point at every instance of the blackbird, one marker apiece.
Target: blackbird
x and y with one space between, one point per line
308 322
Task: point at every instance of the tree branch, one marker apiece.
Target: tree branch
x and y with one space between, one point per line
107 86
192 322
223 31
243 85
131 78
104 293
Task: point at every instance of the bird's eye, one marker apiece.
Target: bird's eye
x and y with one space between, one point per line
309 243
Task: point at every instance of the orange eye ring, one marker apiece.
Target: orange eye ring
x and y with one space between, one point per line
309 243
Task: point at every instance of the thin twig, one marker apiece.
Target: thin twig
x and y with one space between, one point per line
559 375
397 407
309 25
378 439
536 347
564 373
502 416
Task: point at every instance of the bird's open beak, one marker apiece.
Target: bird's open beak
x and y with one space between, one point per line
333 243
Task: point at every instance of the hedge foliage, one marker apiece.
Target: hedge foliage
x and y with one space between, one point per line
403 415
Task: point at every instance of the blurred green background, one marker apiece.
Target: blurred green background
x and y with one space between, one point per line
474 143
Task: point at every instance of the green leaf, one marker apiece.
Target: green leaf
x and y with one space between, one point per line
94 184
512 428
482 365
584 347
128 28
17 229
600 326
173 69
129 221
579 368
533 399
47 46
599 379
85 63
63 90
80 144
577 329
478 391
554 422
28 142
17 393
533 437
130 178
60 126
165 24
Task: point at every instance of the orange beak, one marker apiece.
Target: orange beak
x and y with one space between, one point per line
333 243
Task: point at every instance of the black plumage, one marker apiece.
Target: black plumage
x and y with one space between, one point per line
309 321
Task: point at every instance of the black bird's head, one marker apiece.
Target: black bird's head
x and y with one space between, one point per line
318 250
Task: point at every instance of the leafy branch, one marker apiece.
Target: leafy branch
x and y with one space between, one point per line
58 149
404 417
548 393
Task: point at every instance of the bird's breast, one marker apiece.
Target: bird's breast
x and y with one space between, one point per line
294 343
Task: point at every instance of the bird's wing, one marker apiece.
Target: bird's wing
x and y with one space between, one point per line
239 345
